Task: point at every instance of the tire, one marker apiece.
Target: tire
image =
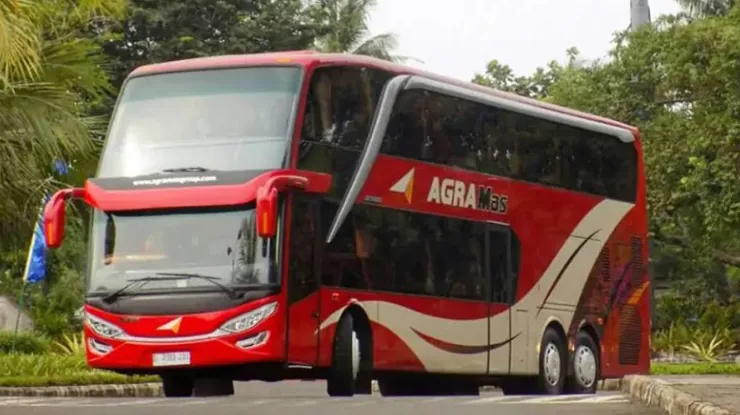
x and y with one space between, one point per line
205 387
585 366
345 365
177 385
553 364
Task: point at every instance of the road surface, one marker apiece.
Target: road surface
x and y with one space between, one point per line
289 398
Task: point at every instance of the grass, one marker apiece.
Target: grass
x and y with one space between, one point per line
695 369
56 370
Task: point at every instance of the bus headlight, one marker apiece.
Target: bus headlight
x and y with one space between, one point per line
102 327
248 320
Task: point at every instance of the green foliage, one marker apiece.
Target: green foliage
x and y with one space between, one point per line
672 339
677 81
46 75
705 342
694 369
709 349
42 365
52 369
25 343
157 31
703 8
348 32
70 344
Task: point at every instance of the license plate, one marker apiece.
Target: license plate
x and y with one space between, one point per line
171 359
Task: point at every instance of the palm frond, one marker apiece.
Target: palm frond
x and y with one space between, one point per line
706 8
378 46
20 40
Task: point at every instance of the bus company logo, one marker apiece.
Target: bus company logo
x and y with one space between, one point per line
450 192
173 326
405 185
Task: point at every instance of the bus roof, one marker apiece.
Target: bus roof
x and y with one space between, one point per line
310 58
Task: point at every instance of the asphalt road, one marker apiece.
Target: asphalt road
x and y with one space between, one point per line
290 398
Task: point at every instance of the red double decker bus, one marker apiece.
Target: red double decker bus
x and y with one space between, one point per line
300 215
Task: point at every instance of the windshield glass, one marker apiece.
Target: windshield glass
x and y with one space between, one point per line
225 119
220 243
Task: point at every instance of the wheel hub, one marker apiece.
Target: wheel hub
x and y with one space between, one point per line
584 365
552 364
355 355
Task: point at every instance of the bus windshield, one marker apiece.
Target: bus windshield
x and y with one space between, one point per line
220 243
225 119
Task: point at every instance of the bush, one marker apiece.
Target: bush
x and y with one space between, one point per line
706 344
27 343
53 369
43 365
52 303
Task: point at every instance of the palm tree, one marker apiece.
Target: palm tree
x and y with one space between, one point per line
47 72
706 8
348 31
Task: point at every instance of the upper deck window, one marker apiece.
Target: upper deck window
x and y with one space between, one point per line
226 119
447 130
339 111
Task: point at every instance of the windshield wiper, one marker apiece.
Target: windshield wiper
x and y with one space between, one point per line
110 298
233 294
194 169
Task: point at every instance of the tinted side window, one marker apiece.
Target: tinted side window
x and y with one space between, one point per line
503 254
440 129
436 128
392 250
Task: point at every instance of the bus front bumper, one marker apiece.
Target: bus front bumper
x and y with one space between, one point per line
252 340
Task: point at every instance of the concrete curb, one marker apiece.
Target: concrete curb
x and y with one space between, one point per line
137 390
604 385
653 392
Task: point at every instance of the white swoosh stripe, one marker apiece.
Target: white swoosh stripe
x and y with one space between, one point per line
604 217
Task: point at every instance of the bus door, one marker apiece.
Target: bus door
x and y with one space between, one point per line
500 297
303 243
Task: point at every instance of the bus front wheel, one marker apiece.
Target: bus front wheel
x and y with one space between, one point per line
345 364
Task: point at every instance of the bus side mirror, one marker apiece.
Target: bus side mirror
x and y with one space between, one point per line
267 195
55 216
267 212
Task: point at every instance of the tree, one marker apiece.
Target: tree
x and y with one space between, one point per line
705 8
46 74
677 81
163 30
501 76
348 32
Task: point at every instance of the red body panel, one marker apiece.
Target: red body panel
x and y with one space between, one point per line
544 218
167 198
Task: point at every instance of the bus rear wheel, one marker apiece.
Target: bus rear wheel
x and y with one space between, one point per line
584 366
553 363
345 365
177 385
